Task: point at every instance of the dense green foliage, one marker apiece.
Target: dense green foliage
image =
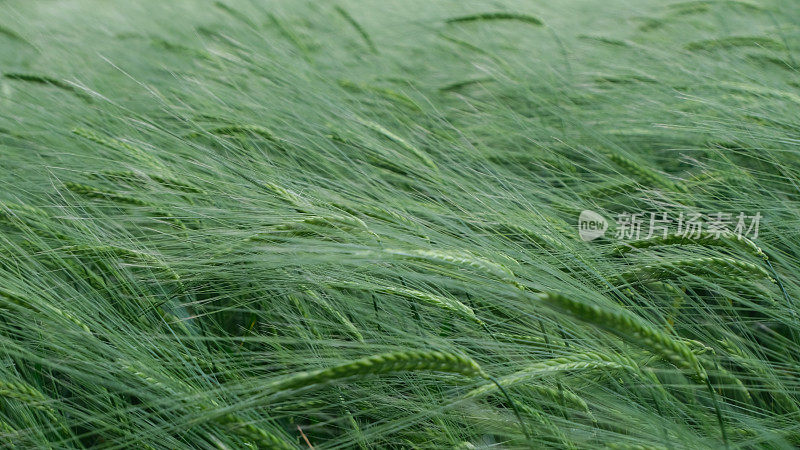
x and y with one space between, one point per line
353 224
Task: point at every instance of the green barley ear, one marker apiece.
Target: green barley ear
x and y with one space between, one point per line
461 259
517 232
235 14
310 225
325 304
495 16
255 130
302 46
643 174
710 265
258 436
576 362
709 239
376 212
133 178
325 221
562 395
24 393
122 199
383 92
255 435
99 251
400 141
177 185
439 301
50 81
627 446
628 327
356 26
27 218
736 41
610 189
291 197
92 192
704 5
116 144
11 34
20 300
458 85
410 361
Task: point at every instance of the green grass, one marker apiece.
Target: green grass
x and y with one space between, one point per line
233 224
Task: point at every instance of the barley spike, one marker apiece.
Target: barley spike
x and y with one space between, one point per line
495 16
409 361
630 328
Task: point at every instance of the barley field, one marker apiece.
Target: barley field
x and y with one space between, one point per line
399 224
